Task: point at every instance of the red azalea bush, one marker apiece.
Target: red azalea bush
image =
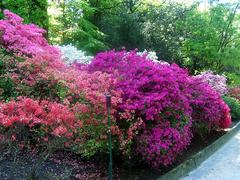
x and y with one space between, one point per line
30 122
40 74
31 112
80 91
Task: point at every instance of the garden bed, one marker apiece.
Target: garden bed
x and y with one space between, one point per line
65 165
50 110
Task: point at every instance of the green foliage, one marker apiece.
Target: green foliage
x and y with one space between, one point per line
33 11
163 32
92 147
201 129
72 26
62 91
88 38
10 89
234 105
7 89
95 142
199 40
123 27
233 78
7 86
209 43
194 38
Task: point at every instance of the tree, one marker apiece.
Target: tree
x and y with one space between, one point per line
33 11
72 25
212 40
162 32
123 26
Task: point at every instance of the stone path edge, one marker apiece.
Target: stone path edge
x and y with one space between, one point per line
197 159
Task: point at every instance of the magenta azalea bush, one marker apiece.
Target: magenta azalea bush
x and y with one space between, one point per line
168 100
156 107
149 87
161 145
208 107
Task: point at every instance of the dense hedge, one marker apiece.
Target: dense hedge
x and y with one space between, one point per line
155 107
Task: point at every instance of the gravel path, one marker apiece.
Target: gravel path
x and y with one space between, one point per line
222 165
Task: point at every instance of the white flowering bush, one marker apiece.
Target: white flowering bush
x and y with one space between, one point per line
152 56
218 82
71 54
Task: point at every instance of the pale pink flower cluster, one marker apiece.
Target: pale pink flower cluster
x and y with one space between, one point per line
216 81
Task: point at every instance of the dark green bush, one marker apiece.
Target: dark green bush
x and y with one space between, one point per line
234 105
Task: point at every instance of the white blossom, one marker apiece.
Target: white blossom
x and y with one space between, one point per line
71 54
151 55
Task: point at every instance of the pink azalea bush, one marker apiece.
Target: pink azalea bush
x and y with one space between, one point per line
156 94
24 39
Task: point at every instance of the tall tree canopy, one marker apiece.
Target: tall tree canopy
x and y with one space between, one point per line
200 39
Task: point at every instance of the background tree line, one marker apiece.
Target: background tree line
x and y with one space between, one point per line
199 39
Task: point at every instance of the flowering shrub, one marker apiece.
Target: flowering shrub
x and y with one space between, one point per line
83 93
151 55
155 93
40 119
162 96
154 105
161 145
7 86
30 112
208 106
40 74
217 82
24 39
148 88
71 54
